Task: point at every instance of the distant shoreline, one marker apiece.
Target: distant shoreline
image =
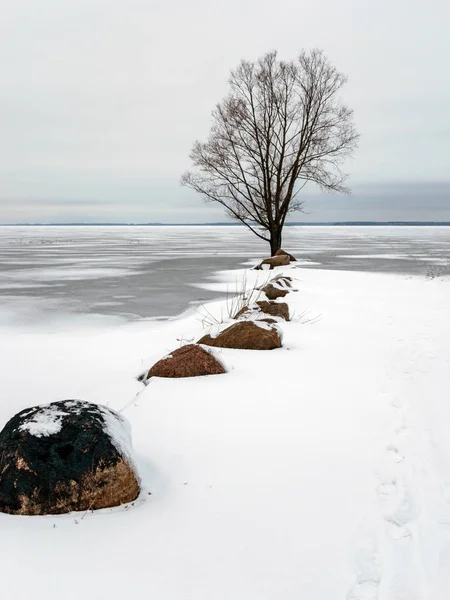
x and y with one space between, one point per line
219 224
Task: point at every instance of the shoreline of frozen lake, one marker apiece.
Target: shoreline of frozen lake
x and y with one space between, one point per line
143 272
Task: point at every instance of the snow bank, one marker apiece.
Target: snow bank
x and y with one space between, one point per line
119 430
319 470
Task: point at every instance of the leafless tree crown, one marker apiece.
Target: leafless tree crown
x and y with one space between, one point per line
282 125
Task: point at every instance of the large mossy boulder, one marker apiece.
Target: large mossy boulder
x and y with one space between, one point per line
281 252
188 361
246 335
66 456
273 261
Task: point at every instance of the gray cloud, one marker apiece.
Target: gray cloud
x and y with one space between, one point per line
426 201
101 101
158 203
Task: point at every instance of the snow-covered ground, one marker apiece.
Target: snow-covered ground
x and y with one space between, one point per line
317 471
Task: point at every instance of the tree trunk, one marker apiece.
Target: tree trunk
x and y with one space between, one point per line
275 241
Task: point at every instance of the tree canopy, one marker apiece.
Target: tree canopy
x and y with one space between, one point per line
281 126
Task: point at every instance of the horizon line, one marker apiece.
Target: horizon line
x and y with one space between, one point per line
222 223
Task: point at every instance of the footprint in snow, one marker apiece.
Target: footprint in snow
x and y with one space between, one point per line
368 576
395 453
399 505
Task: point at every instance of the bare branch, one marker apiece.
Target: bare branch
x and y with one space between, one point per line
281 126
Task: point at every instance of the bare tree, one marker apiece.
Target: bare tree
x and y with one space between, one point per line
281 126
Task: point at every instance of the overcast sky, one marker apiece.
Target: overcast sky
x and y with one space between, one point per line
101 101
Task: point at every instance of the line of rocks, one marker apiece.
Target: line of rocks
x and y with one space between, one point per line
255 329
76 456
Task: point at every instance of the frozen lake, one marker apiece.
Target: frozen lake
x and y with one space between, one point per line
143 272
329 455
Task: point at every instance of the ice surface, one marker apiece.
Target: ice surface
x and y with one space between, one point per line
152 271
69 273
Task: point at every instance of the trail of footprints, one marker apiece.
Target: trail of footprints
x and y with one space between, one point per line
391 566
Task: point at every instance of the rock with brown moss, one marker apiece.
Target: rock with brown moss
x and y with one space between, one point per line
244 311
272 262
246 335
269 320
66 456
282 280
261 308
281 252
274 291
188 361
274 309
